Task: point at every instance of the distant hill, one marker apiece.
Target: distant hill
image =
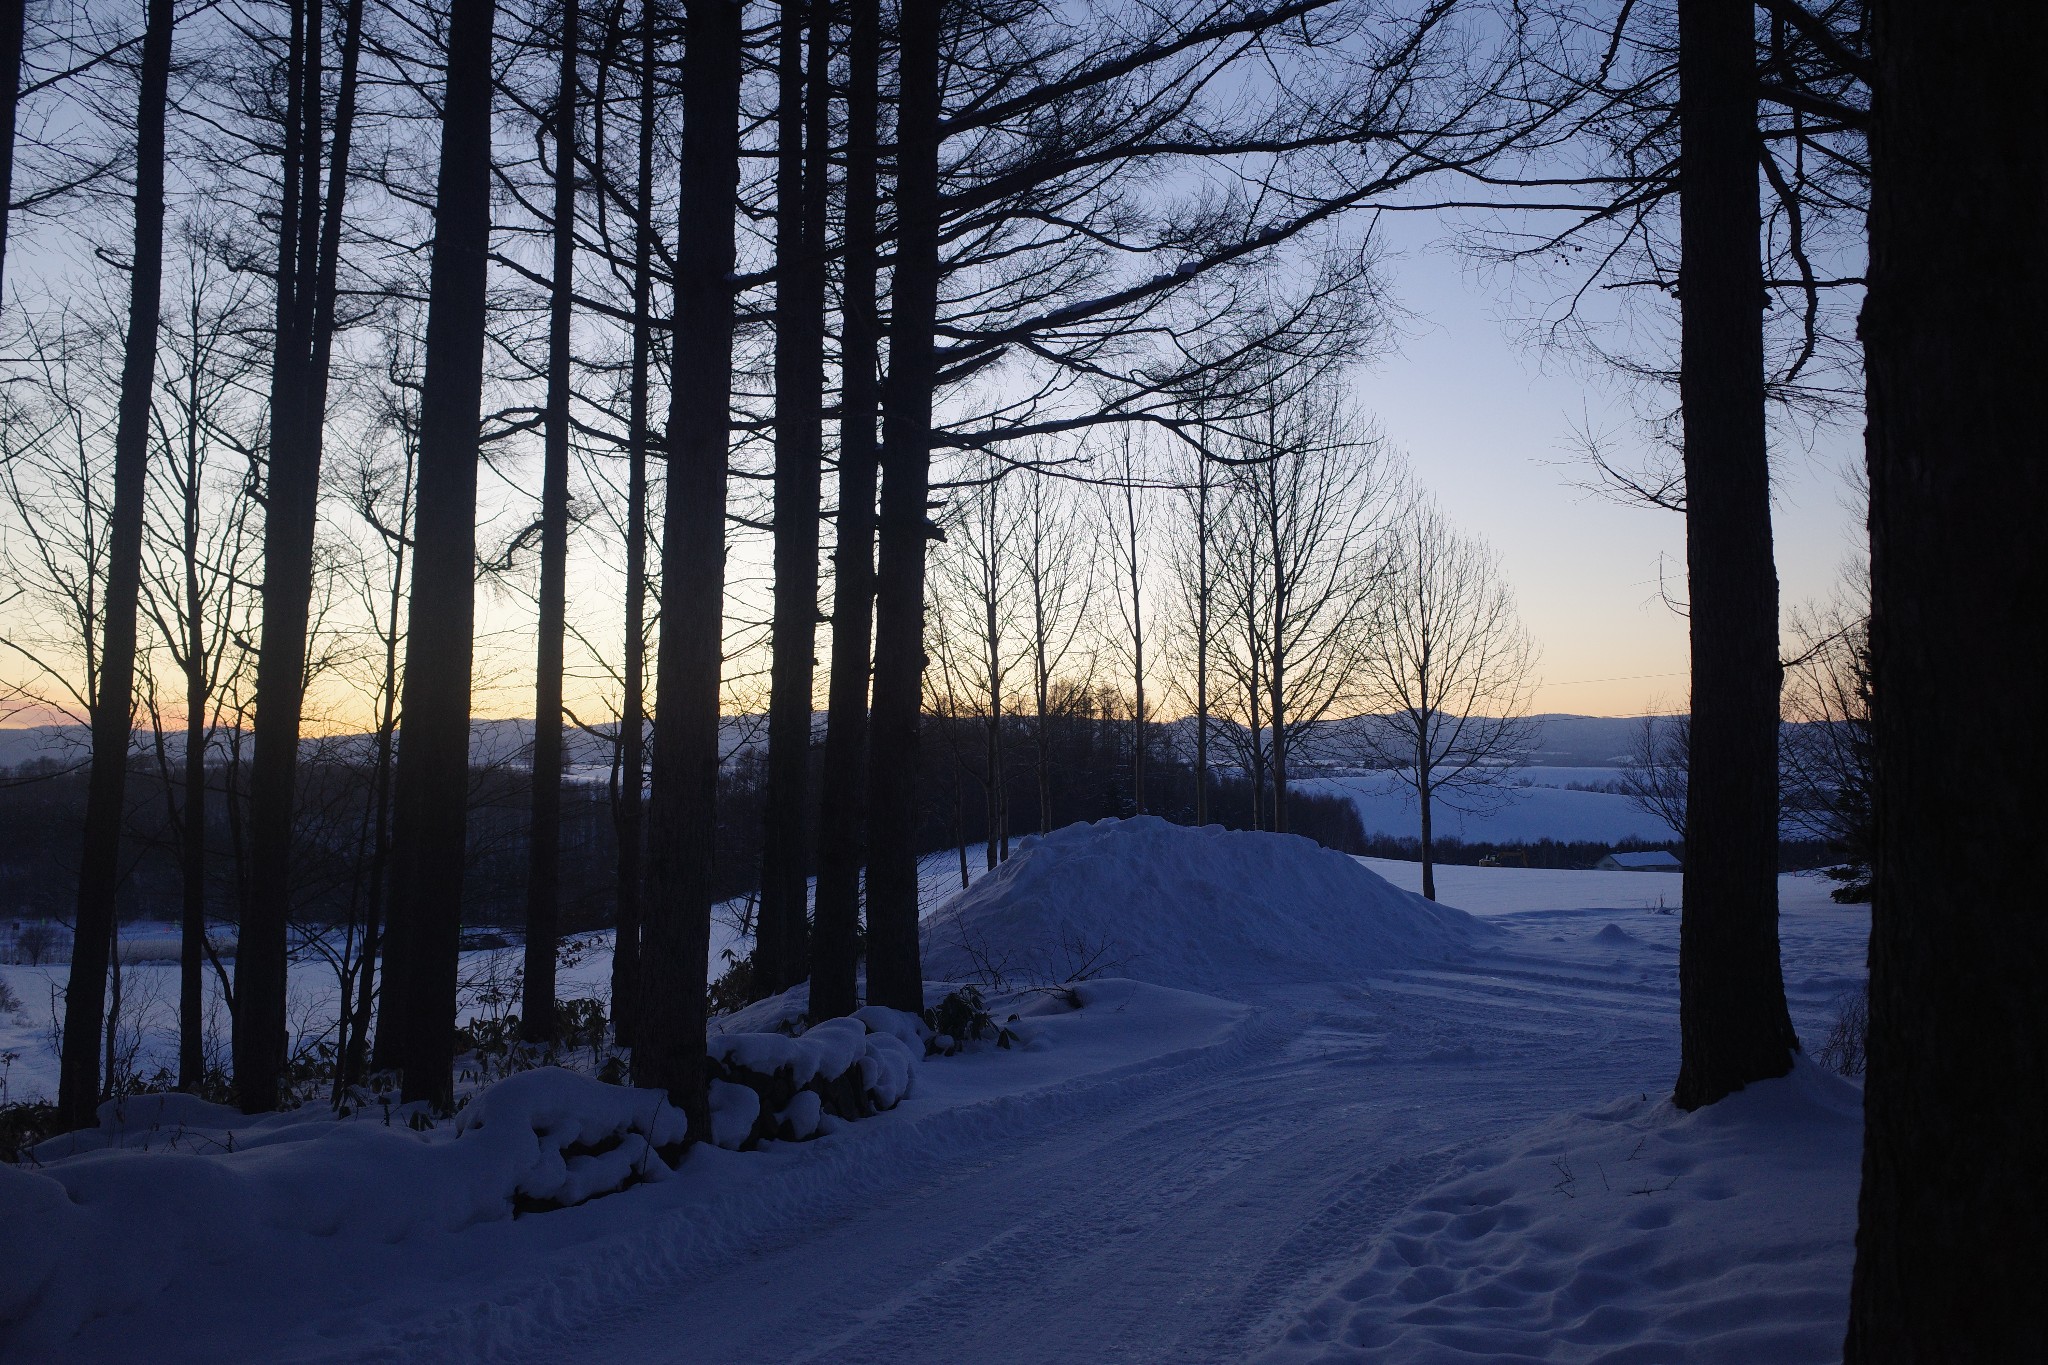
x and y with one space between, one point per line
491 742
1584 741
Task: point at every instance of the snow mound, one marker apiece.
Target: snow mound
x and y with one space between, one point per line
1203 909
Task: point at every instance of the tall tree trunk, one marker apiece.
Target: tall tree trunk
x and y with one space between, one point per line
633 710
1277 674
356 1054
682 816
1137 652
1422 790
13 22
1202 647
78 1086
544 841
800 187
307 249
1733 1025
895 972
430 791
1949 1253
841 813
192 835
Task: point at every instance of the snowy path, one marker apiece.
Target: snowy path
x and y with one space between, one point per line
1357 1169
1186 1212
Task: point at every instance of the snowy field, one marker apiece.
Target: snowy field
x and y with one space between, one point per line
1533 804
1315 1118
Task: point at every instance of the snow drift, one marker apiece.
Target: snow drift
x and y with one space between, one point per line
1206 909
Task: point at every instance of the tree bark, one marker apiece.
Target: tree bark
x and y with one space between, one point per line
1428 835
1202 646
13 22
1950 1257
682 816
78 1087
1277 672
544 841
895 971
1733 1024
307 247
800 186
841 816
192 834
633 709
430 796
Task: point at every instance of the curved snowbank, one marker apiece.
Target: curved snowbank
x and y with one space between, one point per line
1204 909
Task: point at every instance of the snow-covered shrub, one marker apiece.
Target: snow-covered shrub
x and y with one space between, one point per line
569 1139
847 1070
962 1017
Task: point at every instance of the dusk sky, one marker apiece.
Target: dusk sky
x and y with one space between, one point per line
1487 424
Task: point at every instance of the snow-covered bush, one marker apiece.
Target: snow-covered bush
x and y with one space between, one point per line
849 1068
568 1139
962 1017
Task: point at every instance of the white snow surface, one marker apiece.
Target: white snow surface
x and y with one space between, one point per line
1531 804
1199 909
1449 1146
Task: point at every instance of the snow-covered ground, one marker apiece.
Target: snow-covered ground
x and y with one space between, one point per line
1531 804
1432 1139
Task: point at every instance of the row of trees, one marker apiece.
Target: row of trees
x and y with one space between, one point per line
992 191
1063 222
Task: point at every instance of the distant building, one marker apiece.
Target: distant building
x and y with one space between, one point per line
1656 860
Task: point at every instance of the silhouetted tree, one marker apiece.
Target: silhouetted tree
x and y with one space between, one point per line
307 261
430 796
1733 1024
841 819
803 162
1949 1254
113 700
544 852
1448 669
682 815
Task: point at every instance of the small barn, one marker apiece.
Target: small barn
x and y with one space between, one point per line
1655 860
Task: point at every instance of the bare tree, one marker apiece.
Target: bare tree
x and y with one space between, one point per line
1448 669
682 815
1126 512
1826 757
430 796
1050 542
633 704
973 630
803 130
307 264
113 698
202 538
841 823
1734 1027
544 852
383 493
1654 778
1308 489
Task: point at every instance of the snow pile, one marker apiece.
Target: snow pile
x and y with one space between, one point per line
184 1182
1636 1229
1202 909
